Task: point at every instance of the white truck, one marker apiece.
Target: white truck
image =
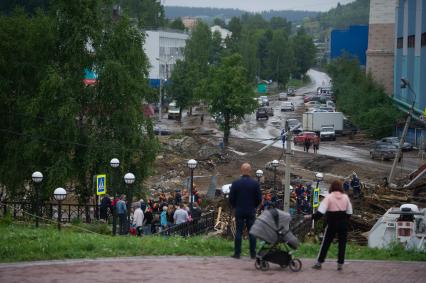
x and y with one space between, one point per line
314 121
173 111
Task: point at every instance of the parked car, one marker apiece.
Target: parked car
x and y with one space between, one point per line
294 125
383 151
312 104
287 106
300 138
262 113
395 141
282 96
349 128
270 111
291 91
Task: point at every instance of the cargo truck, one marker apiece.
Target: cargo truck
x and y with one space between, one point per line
314 121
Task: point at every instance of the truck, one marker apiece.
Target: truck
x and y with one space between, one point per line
327 133
314 121
173 112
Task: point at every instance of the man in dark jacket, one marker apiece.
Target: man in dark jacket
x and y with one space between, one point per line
245 197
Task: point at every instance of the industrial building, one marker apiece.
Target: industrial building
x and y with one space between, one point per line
381 34
352 41
163 48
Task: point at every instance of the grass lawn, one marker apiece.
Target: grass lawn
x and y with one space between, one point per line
299 83
24 243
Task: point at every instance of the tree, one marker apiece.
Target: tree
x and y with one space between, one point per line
150 13
215 48
230 96
219 22
177 24
304 53
280 58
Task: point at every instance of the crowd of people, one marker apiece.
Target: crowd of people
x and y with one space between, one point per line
154 215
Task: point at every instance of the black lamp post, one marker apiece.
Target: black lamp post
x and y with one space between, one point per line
114 163
59 194
129 179
275 164
192 163
37 178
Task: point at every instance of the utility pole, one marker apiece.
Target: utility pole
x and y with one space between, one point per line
287 153
159 108
404 83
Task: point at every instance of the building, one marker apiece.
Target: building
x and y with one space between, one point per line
163 48
352 41
189 22
410 54
224 33
381 34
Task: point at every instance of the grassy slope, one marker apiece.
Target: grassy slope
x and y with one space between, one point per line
21 243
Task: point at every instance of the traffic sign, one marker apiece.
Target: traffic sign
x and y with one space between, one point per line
315 200
101 184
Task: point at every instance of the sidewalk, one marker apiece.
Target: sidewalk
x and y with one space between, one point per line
206 269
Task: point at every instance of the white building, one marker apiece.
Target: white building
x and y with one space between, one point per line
163 48
223 32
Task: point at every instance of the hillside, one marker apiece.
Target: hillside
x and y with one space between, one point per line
209 14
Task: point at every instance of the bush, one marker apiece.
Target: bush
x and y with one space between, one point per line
6 219
359 97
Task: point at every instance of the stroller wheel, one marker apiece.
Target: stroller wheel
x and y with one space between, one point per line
295 265
264 265
257 263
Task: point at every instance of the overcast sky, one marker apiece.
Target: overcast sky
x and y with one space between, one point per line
260 5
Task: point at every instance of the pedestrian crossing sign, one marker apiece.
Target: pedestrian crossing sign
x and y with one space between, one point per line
101 184
315 199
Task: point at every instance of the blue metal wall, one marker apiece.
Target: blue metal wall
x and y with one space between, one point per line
410 66
353 41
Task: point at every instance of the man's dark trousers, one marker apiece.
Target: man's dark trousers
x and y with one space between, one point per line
241 221
122 224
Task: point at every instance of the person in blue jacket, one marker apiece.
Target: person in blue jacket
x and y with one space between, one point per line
245 196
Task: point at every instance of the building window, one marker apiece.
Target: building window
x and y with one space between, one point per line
399 43
423 39
411 41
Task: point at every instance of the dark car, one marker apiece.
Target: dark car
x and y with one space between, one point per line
383 152
262 113
395 141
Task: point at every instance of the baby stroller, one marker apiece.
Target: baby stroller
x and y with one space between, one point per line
272 226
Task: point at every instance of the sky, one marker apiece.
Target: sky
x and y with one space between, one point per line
260 5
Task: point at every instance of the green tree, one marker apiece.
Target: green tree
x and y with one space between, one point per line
304 53
219 22
280 60
230 96
177 24
360 98
150 13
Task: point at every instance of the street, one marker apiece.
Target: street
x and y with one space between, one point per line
263 130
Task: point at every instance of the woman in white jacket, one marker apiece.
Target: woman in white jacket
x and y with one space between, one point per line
138 219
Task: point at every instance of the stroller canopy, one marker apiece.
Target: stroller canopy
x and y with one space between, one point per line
266 228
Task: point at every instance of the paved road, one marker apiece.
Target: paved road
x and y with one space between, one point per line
205 269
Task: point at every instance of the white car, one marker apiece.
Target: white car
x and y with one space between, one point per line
287 106
265 100
282 96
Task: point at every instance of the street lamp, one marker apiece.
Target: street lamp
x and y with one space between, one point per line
192 163
275 164
129 179
59 194
259 174
165 78
37 178
114 163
